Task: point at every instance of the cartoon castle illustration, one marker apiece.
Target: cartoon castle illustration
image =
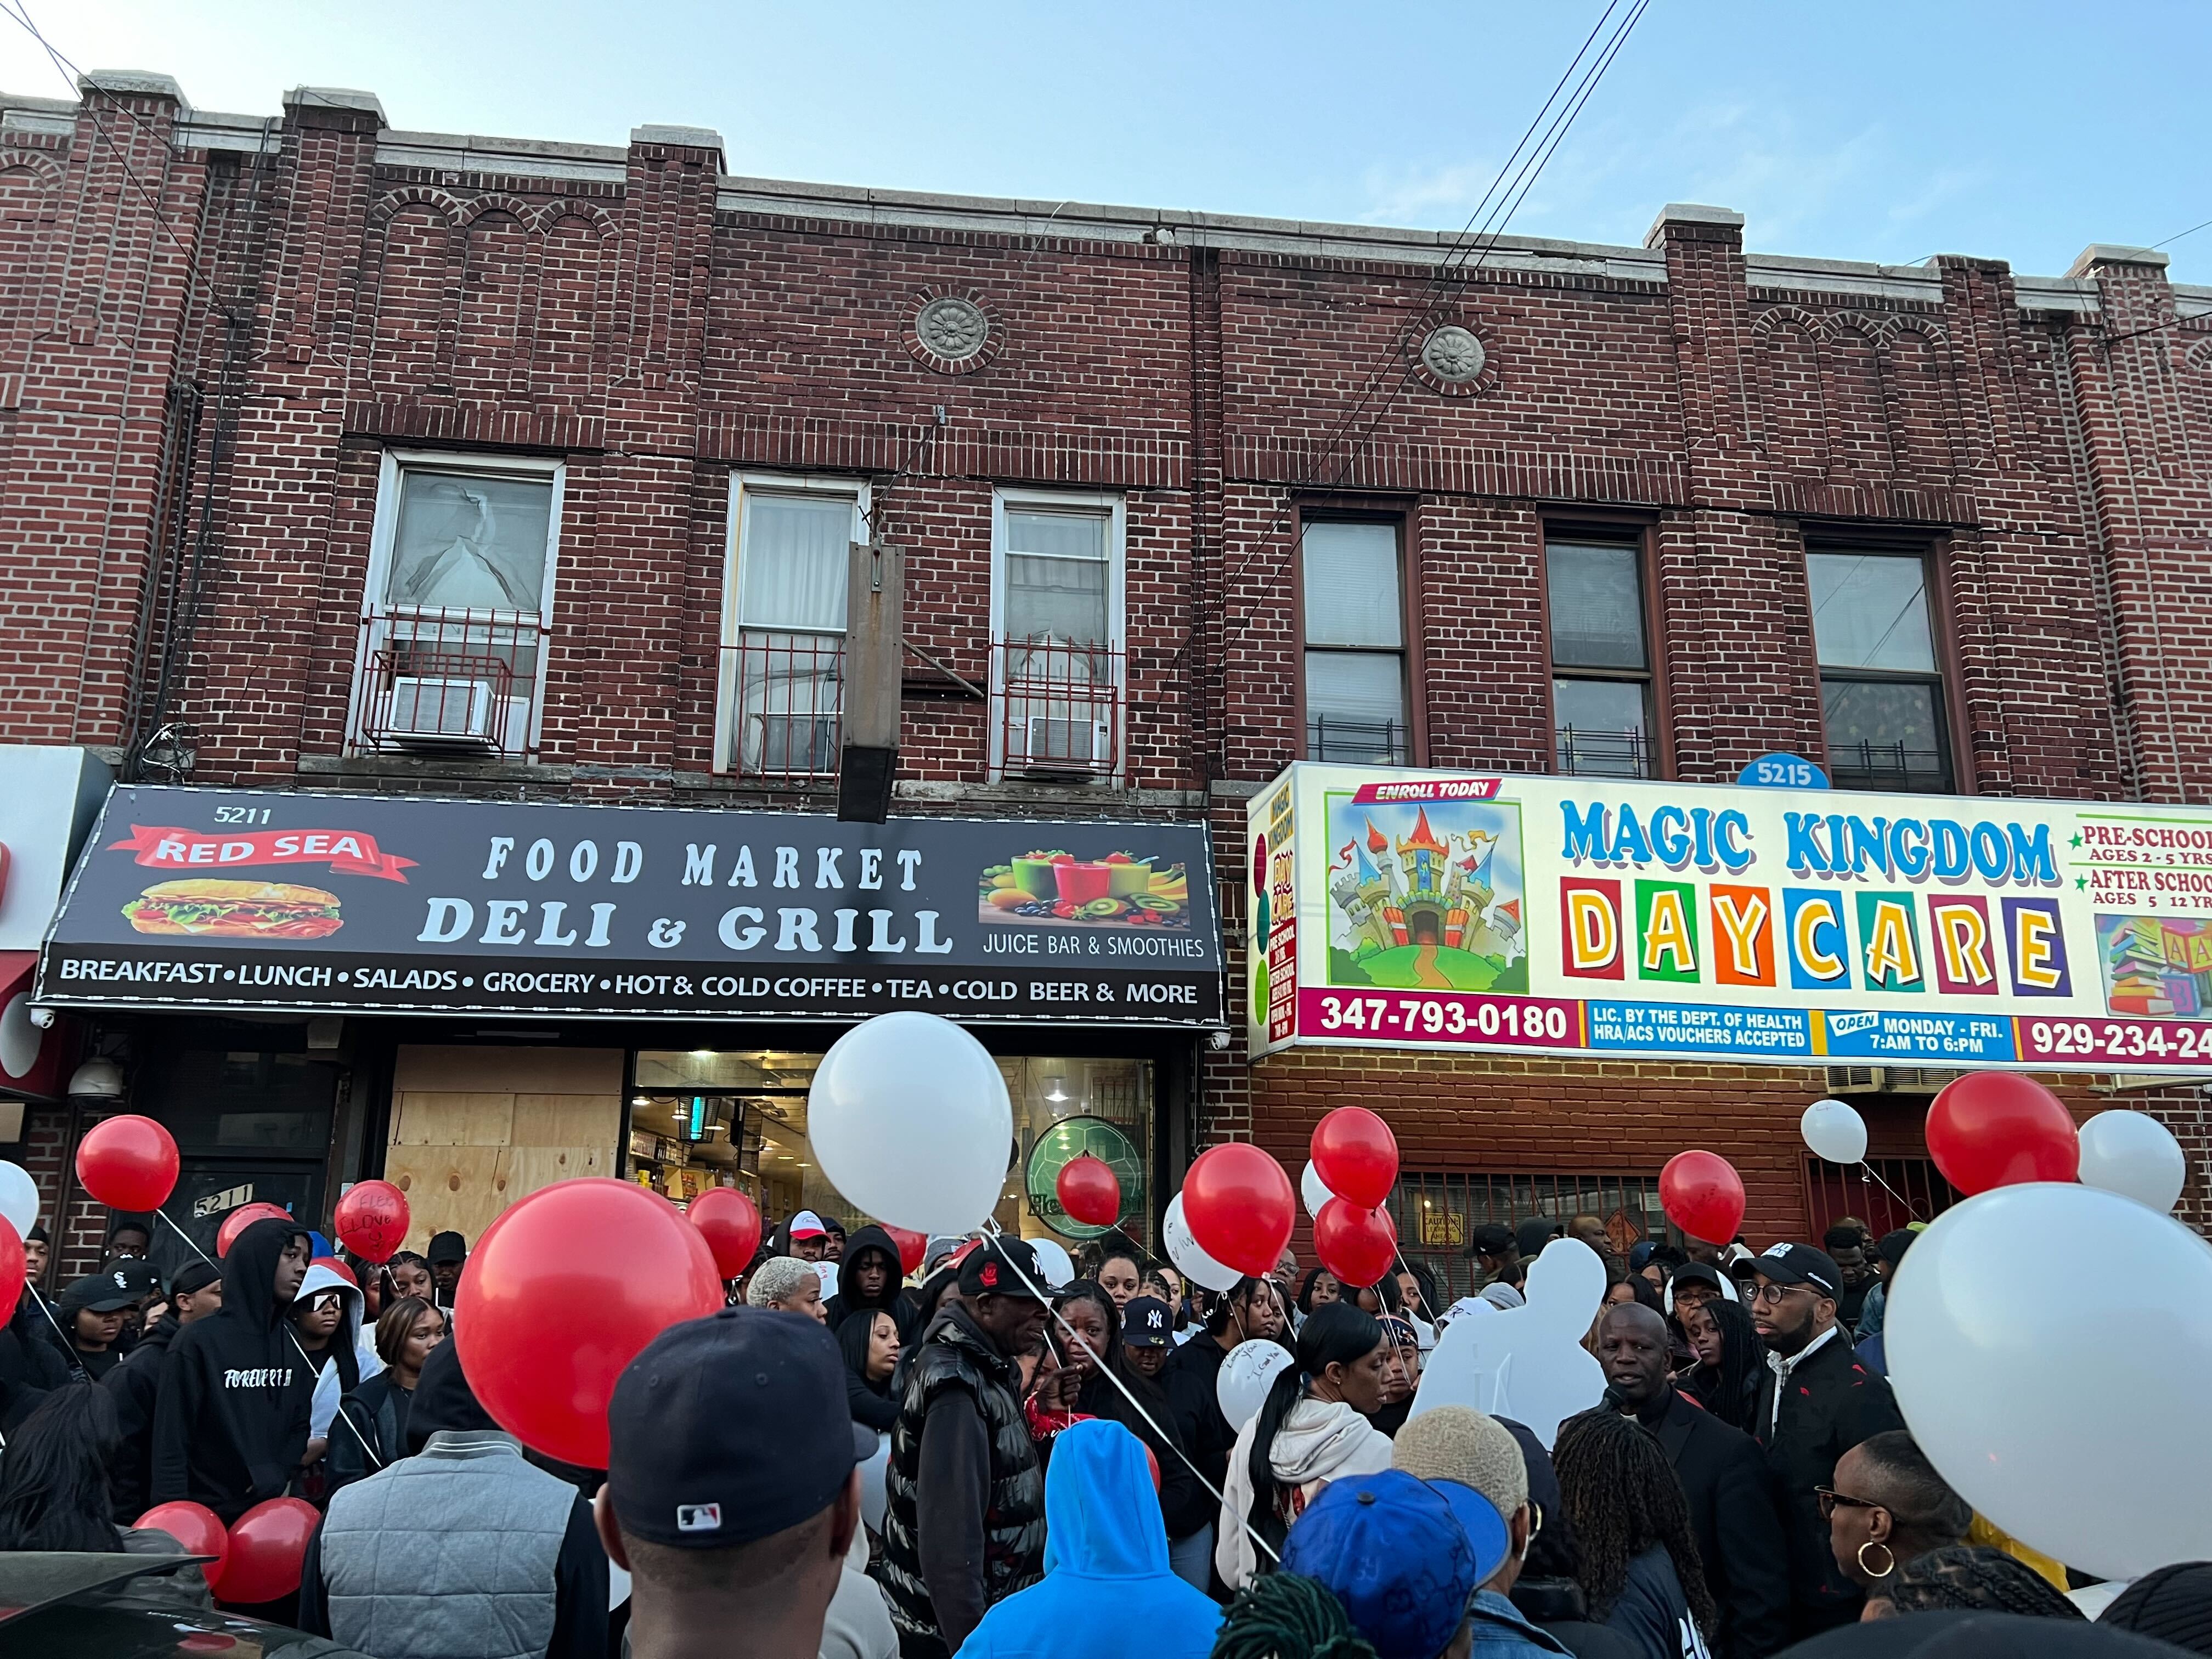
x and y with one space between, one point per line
1420 891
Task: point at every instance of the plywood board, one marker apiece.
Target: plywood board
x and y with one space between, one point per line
498 1068
566 1120
437 1117
449 1188
526 1169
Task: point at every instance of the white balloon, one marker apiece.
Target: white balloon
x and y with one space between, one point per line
874 1499
1053 1262
1197 1266
2065 1404
827 1272
1527 1362
2130 1153
1565 1288
1835 1130
19 1198
1313 1191
1242 1383
909 1120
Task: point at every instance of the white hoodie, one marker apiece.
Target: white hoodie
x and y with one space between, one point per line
328 1387
1319 1442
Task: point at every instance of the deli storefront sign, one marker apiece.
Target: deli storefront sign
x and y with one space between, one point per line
279 902
1613 920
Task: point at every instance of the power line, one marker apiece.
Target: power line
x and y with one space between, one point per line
1515 178
2178 235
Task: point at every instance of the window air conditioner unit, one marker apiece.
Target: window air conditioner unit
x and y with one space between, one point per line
1888 1079
1058 744
440 710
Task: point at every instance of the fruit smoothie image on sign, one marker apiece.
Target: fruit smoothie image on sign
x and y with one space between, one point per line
235 909
1119 891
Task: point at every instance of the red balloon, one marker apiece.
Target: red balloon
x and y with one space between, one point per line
1355 1244
531 1279
731 1223
1091 1192
15 1266
197 1528
242 1218
913 1247
1239 1206
127 1162
1155 1464
1703 1195
372 1220
1356 1156
1998 1129
268 1544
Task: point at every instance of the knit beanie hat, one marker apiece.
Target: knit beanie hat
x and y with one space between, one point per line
1457 1443
2173 1604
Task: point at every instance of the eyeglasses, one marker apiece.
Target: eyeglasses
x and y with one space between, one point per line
1772 1292
1830 1497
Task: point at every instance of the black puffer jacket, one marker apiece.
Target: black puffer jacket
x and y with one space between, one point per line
970 1532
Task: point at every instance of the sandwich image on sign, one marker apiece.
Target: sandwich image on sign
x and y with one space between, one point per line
235 909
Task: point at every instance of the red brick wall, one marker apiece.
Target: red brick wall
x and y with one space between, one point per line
2054 458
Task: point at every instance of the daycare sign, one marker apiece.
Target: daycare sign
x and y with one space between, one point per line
1617 918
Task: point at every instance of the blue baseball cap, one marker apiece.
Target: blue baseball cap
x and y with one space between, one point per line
1394 1552
1478 1519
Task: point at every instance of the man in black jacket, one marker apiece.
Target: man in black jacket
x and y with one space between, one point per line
963 1522
230 1422
1816 1402
868 1276
195 1291
1723 1474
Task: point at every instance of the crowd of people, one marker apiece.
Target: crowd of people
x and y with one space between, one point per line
850 1461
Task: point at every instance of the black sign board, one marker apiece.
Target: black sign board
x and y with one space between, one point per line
227 898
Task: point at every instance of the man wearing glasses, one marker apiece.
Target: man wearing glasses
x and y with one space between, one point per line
1816 1402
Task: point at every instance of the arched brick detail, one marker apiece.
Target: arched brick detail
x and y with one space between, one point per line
417 294
476 206
385 207
1793 400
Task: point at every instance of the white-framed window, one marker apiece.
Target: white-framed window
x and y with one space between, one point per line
781 694
464 552
1057 666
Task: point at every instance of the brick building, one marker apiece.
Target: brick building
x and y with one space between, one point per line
339 458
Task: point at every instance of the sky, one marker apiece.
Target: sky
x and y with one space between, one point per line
1886 131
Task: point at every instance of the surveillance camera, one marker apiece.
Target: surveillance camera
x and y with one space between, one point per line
42 1018
1220 1039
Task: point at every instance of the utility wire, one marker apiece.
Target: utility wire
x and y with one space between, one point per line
2179 234
1515 178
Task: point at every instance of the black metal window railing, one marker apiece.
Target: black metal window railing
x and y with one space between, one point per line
1359 743
1435 1214
1895 767
1603 754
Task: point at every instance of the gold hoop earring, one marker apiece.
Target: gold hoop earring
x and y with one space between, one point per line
1888 1558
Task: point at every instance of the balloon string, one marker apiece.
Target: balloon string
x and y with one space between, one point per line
991 1226
76 1365
313 1369
1875 1175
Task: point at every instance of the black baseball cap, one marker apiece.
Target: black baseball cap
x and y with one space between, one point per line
447 1246
1147 1322
999 1266
134 1273
100 1293
1699 1272
1798 1264
731 1428
1533 1234
1490 1239
193 1276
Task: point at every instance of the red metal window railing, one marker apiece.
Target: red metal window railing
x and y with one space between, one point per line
1058 708
453 680
1885 1192
1435 1214
787 695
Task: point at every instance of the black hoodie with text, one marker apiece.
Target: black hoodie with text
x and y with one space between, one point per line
230 1425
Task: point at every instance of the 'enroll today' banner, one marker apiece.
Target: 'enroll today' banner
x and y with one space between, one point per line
1618 919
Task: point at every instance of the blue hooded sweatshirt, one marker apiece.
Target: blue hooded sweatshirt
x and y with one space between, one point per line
1106 1575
